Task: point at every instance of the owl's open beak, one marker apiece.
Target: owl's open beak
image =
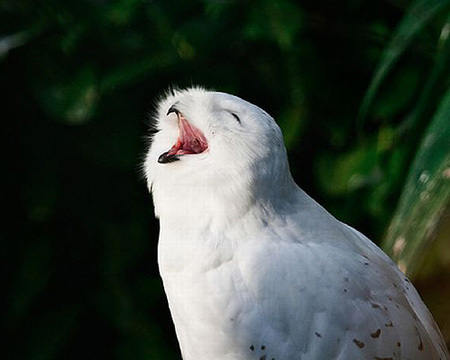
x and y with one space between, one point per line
190 140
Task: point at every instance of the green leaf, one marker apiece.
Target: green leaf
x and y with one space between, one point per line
71 98
345 173
417 16
279 21
292 123
425 195
401 92
133 71
427 98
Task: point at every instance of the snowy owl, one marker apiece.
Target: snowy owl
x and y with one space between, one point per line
252 267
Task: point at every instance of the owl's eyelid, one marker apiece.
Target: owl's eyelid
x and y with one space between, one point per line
235 116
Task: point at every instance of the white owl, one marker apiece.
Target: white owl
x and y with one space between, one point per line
253 268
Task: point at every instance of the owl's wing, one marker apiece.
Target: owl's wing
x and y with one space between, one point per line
332 300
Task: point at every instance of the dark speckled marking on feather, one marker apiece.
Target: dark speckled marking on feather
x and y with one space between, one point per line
420 346
376 334
359 343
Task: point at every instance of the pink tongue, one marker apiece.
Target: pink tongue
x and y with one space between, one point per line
190 141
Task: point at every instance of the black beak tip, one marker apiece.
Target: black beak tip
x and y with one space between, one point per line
166 158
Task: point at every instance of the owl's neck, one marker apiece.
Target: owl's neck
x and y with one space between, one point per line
217 206
201 227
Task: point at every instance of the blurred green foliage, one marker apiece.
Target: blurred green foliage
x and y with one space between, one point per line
359 88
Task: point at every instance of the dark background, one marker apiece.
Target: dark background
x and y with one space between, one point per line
79 79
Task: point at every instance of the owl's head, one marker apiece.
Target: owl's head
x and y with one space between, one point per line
212 140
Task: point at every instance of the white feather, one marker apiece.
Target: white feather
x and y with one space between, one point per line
253 268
